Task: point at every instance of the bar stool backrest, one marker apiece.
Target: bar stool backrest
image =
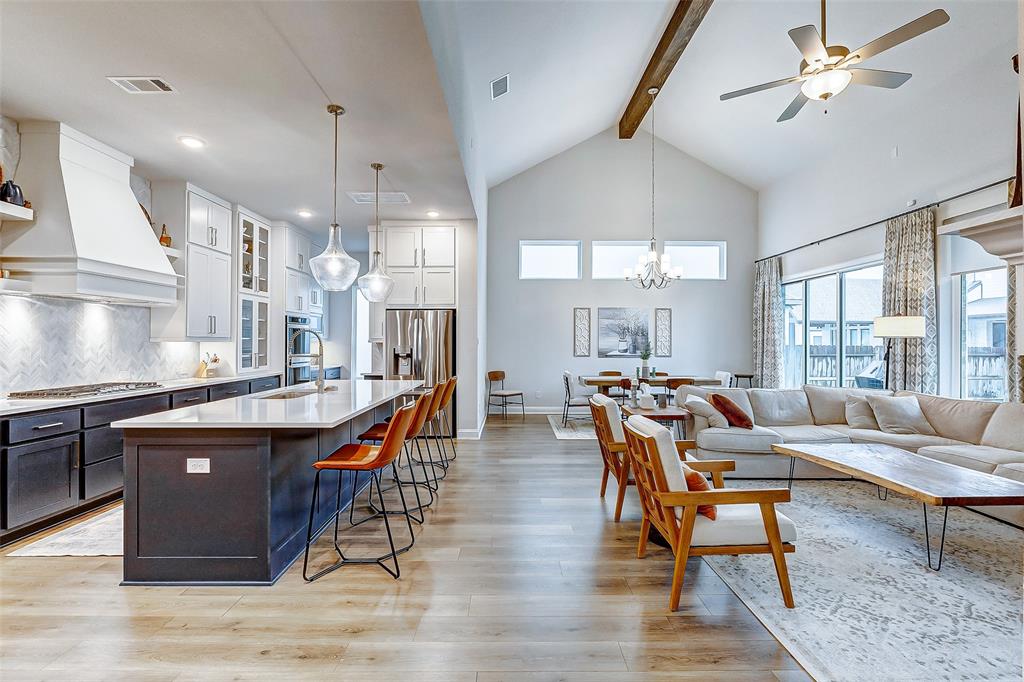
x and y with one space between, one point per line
419 417
398 427
436 394
449 391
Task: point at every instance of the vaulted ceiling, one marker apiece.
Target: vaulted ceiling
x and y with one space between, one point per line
573 66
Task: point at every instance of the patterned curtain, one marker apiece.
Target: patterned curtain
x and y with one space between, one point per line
1014 378
908 288
768 325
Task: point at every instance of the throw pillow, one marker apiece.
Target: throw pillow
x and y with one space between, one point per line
900 414
731 411
695 482
859 414
702 408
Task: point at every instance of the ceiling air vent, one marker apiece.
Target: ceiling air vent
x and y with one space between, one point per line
385 197
141 85
499 86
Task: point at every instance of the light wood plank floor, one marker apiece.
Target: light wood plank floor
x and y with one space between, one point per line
518 575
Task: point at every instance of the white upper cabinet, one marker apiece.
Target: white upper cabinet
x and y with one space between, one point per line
296 292
407 287
438 287
298 251
402 247
253 255
208 294
209 222
438 247
316 297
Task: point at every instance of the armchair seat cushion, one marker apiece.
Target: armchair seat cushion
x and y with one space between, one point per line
978 457
810 434
732 439
737 524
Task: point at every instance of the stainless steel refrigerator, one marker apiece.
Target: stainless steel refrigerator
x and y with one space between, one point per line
420 344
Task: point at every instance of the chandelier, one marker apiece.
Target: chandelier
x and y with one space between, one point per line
334 269
653 271
377 284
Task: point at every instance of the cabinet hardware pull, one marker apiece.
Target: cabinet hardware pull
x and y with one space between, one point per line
300 261
215 236
190 400
78 456
416 295
230 392
415 259
424 256
214 324
209 235
54 425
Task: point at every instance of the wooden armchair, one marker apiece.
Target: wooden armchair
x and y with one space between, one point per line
610 438
747 522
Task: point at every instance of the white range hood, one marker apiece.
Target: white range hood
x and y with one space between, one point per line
90 238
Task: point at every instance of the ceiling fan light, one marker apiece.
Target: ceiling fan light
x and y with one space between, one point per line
826 84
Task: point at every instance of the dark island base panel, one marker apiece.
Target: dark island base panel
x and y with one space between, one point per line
244 522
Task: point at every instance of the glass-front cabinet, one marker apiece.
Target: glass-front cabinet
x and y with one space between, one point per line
254 256
253 334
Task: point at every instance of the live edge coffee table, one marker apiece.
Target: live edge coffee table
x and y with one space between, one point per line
930 481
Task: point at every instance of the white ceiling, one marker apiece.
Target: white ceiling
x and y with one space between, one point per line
573 66
242 90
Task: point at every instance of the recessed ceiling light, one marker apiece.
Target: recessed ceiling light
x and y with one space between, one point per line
432 214
192 142
304 213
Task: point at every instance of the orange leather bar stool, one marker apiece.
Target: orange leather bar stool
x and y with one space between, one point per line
432 426
377 433
356 458
442 414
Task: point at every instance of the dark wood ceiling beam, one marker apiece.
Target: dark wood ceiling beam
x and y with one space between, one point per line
681 27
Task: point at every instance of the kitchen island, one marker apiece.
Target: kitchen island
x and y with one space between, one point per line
219 493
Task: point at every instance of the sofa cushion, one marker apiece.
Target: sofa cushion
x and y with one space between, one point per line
702 408
906 441
900 415
780 407
732 412
859 414
737 524
1006 427
757 439
1014 471
737 395
667 454
809 433
828 403
611 410
957 419
978 457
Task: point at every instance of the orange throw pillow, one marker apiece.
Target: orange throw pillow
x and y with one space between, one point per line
732 412
695 482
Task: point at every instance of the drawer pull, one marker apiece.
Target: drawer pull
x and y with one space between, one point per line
230 392
54 425
190 400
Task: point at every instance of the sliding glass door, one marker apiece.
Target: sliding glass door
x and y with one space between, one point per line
982 347
829 330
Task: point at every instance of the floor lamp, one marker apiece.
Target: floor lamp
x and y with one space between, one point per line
897 327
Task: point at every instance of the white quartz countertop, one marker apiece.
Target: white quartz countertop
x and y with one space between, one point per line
344 400
9 407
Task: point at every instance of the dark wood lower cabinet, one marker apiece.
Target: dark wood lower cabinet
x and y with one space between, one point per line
102 478
41 479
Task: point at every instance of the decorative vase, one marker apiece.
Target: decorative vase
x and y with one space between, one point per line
165 239
645 370
11 193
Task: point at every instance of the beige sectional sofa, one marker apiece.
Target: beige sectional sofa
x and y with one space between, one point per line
987 437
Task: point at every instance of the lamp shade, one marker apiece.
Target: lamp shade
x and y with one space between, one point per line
899 327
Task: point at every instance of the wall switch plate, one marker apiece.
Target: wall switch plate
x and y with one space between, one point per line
197 465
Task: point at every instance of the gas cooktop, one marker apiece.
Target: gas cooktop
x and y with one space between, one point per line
83 391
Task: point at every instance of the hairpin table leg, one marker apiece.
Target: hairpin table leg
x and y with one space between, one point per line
942 539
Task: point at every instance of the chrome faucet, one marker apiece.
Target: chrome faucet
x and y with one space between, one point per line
319 355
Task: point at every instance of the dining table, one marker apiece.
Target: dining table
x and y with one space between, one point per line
605 383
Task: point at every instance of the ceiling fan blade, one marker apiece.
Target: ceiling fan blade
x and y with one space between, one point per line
794 108
809 43
879 79
759 88
902 34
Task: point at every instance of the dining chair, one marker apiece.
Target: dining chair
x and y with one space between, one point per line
612 391
746 523
571 399
724 377
612 443
504 395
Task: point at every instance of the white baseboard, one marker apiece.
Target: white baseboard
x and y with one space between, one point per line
470 434
533 409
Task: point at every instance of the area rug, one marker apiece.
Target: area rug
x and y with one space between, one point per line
101 535
575 429
867 605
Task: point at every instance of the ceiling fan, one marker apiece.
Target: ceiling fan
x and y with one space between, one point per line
826 70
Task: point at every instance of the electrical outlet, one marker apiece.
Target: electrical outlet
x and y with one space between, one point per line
197 465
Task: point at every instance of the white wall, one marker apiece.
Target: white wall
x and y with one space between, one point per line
600 190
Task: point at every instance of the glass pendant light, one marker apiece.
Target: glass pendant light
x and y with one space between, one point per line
377 284
652 270
334 269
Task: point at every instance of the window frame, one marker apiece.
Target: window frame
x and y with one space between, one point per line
552 242
613 242
723 257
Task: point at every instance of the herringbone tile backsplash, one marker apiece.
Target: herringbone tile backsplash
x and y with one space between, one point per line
47 342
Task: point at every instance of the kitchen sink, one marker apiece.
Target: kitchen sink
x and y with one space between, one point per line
288 395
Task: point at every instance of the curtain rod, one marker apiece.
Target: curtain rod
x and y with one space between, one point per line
899 215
